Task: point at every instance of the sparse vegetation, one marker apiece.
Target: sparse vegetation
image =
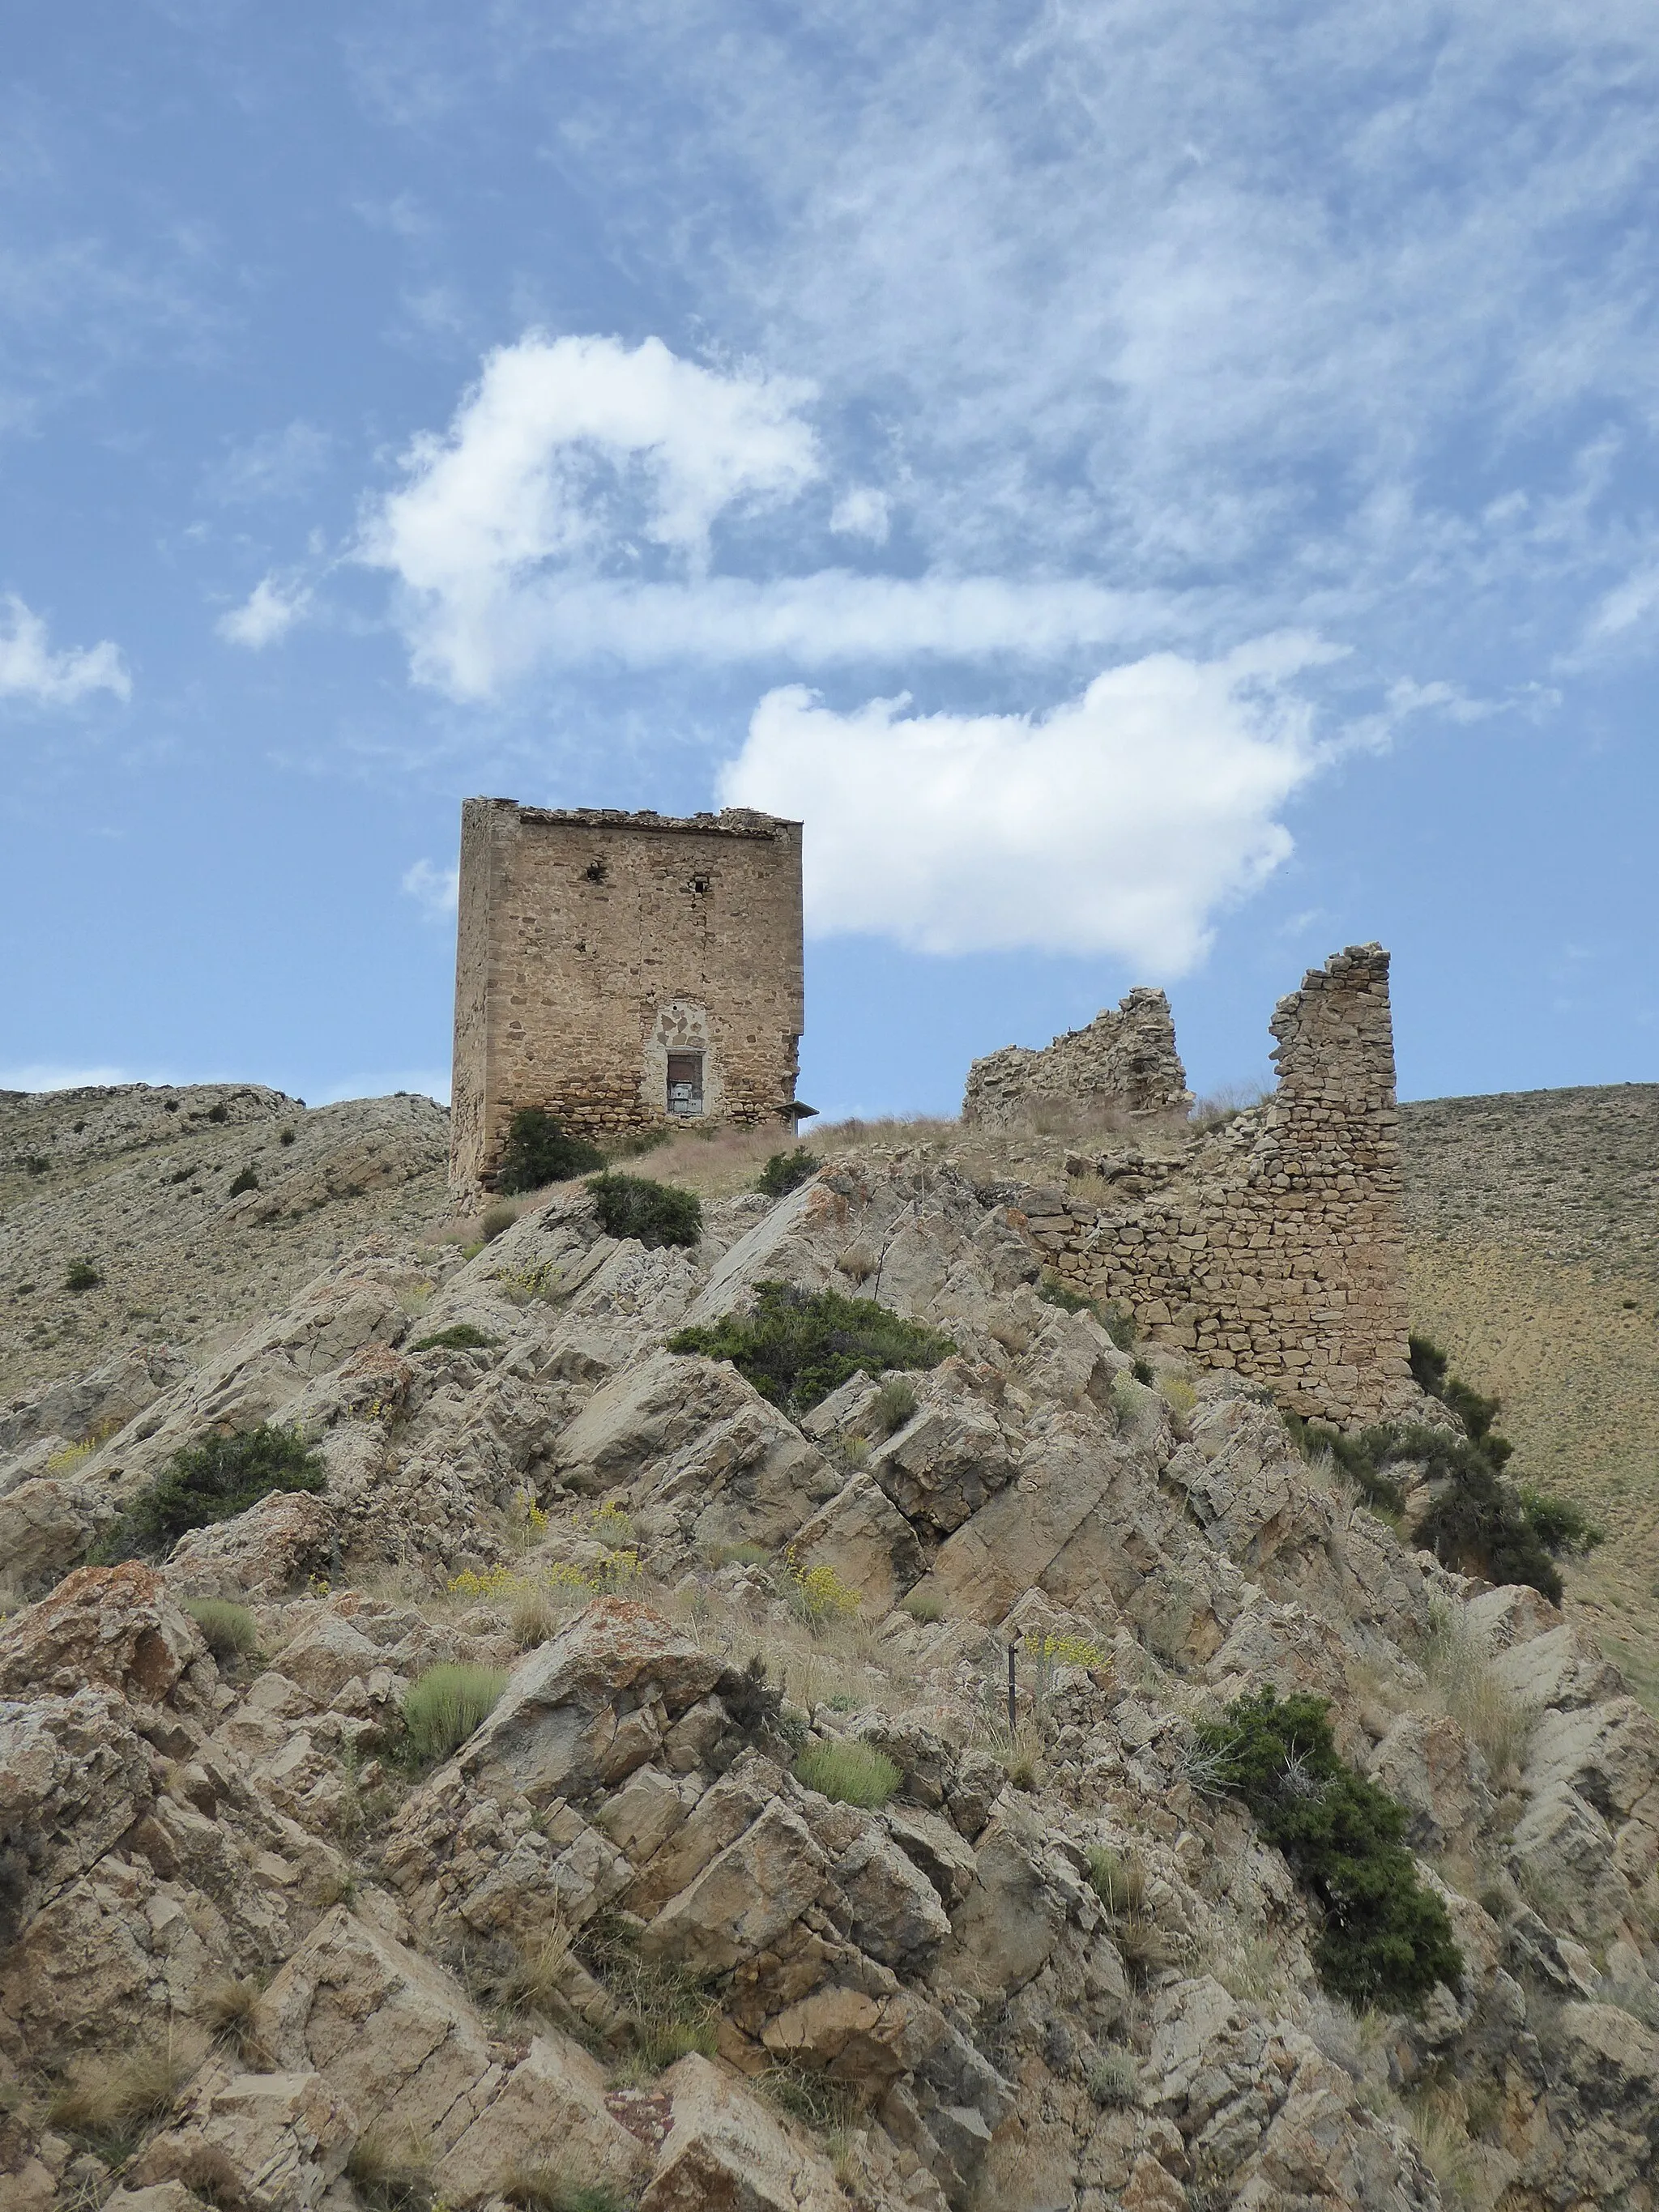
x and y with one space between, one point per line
786 1171
460 1336
849 1773
392 2170
893 1404
229 2008
540 1150
209 1482
445 1705
923 1605
81 1275
796 1346
1112 2079
655 1213
106 2103
668 2010
229 1631
543 2189
248 1180
1386 1939
1117 1324
496 1221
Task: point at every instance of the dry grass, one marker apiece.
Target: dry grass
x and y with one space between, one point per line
229 2009
537 1984
1458 1665
1439 2127
110 2101
390 2169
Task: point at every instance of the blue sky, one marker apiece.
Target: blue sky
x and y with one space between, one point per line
1164 493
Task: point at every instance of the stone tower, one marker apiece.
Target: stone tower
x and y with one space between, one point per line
621 971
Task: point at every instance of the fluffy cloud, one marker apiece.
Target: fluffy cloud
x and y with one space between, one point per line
574 453
269 612
1117 824
438 889
30 669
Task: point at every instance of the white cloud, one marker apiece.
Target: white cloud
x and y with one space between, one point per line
30 669
275 465
577 454
269 612
861 513
1623 608
438 889
1119 823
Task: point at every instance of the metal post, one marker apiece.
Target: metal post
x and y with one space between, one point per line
1011 1694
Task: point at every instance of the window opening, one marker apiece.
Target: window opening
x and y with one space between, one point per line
685 1083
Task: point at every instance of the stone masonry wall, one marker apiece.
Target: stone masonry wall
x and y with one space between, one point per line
1278 1249
592 943
1125 1057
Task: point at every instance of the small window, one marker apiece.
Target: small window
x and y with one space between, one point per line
685 1083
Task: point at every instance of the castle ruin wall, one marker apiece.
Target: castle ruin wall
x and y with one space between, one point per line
1278 1249
1125 1059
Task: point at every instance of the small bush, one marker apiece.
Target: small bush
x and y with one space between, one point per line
924 1606
209 1482
796 1346
81 1275
540 1150
230 1632
218 1111
893 1404
635 1143
1118 1879
1564 1529
655 1214
461 1337
857 1263
848 1773
496 1221
818 1594
229 2008
1112 2079
248 1180
541 2189
1387 1941
786 1171
445 1705
286 1138
1143 1373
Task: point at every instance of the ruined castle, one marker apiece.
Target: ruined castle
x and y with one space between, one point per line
1277 1247
621 971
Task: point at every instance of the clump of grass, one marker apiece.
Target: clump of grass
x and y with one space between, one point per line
286 1137
391 2172
107 2103
857 1263
786 1171
229 2008
540 1150
848 1773
923 1605
248 1180
669 2011
796 1346
1118 1879
1458 1664
1440 2130
543 2189
228 1630
893 1404
81 1275
496 1220
445 1705
655 1213
1387 1940
209 1482
535 1982
825 2106
460 1336
1112 2079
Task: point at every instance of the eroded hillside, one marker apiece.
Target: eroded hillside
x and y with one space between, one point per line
727 1879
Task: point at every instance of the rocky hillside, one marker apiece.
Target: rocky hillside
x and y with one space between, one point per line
722 1875
197 1208
1534 1258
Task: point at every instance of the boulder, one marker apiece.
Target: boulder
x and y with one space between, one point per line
1439 1778
949 1458
116 1626
725 2152
255 2142
262 1554
745 1899
864 1542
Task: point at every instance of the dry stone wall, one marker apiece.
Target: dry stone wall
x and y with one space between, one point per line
1126 1058
1278 1249
600 953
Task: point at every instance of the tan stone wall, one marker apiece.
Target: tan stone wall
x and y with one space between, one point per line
1125 1057
1279 1251
592 943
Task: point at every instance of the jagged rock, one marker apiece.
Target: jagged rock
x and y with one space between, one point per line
274 1547
1562 1668
949 1458
114 1625
745 1898
256 2142
1438 1777
866 1542
1565 1851
45 1525
725 2150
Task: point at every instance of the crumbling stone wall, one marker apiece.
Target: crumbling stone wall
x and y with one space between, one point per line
1278 1248
598 951
1125 1058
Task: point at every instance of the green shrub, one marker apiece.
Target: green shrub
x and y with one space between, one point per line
540 1150
496 1221
633 1144
445 1705
543 2189
1143 1373
1564 1529
208 1482
218 1111
849 1773
1387 1941
893 1404
786 1171
656 1214
461 1336
287 1137
248 1180
81 1275
230 1632
796 1346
